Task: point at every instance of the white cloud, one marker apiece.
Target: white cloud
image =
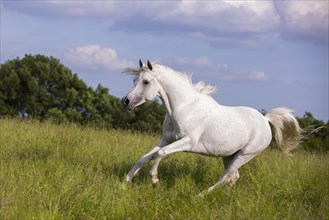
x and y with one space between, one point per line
232 16
96 58
258 76
305 19
204 66
305 14
71 9
237 23
232 23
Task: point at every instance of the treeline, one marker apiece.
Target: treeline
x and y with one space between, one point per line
41 87
316 133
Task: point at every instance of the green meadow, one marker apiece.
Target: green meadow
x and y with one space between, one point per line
67 171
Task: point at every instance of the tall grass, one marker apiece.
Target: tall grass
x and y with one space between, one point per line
53 171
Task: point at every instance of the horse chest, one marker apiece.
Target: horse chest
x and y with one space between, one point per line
171 130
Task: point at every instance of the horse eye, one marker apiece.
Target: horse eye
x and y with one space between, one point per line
146 82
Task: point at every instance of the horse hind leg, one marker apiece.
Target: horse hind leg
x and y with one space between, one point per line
234 176
231 173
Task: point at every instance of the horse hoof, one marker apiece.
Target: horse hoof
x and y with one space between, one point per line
202 194
125 184
156 184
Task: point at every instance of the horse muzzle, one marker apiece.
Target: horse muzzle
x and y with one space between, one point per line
125 102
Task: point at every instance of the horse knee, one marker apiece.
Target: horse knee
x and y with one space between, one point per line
161 153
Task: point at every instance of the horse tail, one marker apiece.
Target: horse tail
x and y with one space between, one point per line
287 133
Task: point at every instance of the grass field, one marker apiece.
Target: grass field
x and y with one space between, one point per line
52 171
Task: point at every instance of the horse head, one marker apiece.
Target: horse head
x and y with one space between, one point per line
146 86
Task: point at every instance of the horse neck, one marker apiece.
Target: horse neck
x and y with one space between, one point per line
175 92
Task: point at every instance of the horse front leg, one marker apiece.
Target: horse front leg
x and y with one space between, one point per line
143 160
180 145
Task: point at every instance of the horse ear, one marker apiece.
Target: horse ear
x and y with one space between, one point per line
149 65
140 64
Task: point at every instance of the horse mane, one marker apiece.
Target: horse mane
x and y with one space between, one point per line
200 86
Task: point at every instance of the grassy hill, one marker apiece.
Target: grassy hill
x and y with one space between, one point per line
50 171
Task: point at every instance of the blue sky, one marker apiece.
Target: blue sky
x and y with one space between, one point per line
262 54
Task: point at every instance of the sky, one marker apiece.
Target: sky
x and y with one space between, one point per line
262 54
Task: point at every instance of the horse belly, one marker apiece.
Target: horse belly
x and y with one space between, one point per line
223 144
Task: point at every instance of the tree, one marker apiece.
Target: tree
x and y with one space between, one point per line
45 89
316 133
37 83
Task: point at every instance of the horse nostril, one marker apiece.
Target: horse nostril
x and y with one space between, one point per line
125 101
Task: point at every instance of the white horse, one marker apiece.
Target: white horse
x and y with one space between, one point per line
196 123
